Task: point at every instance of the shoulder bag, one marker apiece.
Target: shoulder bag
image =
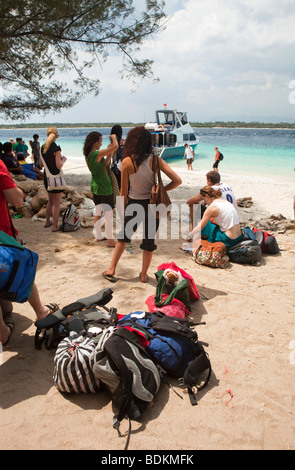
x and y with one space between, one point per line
159 199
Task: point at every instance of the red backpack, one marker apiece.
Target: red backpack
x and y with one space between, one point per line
268 242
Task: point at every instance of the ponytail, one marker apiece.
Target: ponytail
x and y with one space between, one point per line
52 134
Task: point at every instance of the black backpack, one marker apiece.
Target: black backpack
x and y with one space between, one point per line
220 156
246 252
174 346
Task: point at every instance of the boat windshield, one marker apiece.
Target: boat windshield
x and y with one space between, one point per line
166 118
183 118
171 118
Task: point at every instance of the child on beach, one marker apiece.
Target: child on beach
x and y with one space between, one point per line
137 179
98 161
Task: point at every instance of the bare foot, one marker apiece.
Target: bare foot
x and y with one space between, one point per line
144 278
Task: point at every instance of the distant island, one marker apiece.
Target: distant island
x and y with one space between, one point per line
221 124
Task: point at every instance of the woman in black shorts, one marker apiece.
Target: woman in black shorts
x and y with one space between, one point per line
137 179
54 161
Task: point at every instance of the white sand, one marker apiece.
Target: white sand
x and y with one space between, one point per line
249 315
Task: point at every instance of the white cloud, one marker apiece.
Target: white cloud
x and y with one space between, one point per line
216 59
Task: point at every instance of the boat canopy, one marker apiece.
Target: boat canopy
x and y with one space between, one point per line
171 118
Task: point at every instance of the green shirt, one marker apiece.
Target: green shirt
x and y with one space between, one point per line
101 181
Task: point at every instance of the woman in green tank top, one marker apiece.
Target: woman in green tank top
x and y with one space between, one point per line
98 160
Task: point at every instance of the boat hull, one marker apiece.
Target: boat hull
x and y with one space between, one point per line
168 153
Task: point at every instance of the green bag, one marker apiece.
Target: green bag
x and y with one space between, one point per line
180 292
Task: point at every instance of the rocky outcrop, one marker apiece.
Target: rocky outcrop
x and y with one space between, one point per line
36 198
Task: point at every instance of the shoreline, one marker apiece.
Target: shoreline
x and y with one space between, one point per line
270 196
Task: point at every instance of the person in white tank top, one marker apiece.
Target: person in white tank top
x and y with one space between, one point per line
225 227
137 179
213 179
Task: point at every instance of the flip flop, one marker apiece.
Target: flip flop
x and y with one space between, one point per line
52 308
48 225
58 230
11 326
110 278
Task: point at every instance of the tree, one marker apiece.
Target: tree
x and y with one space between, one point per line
40 38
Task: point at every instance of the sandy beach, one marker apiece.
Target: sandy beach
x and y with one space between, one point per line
249 315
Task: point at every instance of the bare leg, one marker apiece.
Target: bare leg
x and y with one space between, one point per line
109 228
34 300
4 330
119 250
146 261
48 210
57 197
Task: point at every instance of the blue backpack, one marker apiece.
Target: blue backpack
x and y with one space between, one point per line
17 269
173 345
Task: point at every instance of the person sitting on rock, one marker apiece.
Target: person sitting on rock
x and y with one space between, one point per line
15 167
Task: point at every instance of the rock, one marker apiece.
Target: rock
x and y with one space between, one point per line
42 195
42 213
18 177
89 195
245 202
75 198
277 217
26 210
36 203
29 186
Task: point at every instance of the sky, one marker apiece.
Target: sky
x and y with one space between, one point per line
223 60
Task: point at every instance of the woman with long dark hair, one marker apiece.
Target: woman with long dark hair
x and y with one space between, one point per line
137 179
98 161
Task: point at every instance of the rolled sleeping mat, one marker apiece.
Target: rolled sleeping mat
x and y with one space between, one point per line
100 298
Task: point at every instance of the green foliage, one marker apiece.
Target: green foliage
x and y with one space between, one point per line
40 38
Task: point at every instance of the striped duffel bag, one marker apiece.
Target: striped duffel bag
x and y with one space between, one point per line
72 369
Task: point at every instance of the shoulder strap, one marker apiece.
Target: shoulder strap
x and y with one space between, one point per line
133 164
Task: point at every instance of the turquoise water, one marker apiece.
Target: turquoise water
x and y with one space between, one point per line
259 152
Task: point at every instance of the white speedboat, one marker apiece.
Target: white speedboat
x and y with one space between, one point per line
171 132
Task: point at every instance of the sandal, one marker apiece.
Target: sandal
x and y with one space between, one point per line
48 225
110 278
11 326
52 308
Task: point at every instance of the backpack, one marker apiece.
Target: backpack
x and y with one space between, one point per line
220 156
82 317
122 364
268 242
248 233
71 219
211 254
18 267
72 368
179 291
248 251
172 344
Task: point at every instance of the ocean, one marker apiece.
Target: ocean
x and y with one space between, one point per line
257 152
